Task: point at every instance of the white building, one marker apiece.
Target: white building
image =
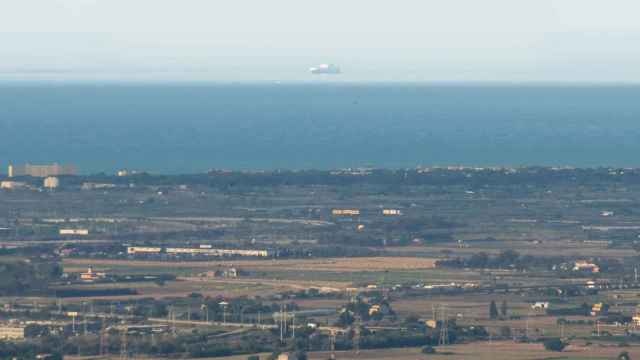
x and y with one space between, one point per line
82 232
51 182
12 185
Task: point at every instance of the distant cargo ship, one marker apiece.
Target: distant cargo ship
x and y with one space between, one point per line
330 69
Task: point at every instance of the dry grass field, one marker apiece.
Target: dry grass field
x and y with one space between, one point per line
329 264
566 247
503 350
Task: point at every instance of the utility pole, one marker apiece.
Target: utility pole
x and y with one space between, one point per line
284 320
527 324
124 352
293 326
281 324
434 313
444 328
332 344
173 320
104 346
356 335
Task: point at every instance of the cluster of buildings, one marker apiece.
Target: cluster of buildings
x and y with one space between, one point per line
49 173
96 186
579 265
74 232
42 171
356 212
90 275
12 332
204 250
49 183
345 212
587 266
221 273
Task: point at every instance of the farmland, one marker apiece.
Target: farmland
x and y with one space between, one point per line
502 259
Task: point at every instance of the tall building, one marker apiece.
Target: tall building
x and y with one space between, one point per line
41 170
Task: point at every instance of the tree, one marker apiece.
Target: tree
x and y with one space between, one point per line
159 309
554 344
493 310
505 331
503 308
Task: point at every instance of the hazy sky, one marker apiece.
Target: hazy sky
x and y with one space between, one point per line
429 40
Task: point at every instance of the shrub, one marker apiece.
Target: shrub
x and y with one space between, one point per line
624 356
554 344
428 350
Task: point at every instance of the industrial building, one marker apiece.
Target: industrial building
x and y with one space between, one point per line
345 212
133 250
217 252
143 250
82 232
41 170
96 186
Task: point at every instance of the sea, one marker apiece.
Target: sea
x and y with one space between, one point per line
194 127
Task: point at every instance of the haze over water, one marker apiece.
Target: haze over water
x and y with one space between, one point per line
186 128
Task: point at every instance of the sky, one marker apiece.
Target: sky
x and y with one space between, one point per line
371 40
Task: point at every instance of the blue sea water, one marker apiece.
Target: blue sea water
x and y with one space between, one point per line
176 128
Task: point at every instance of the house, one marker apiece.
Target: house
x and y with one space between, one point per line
224 273
583 265
380 309
540 305
599 309
91 276
228 273
12 185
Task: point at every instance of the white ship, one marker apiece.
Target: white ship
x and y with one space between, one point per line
330 69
